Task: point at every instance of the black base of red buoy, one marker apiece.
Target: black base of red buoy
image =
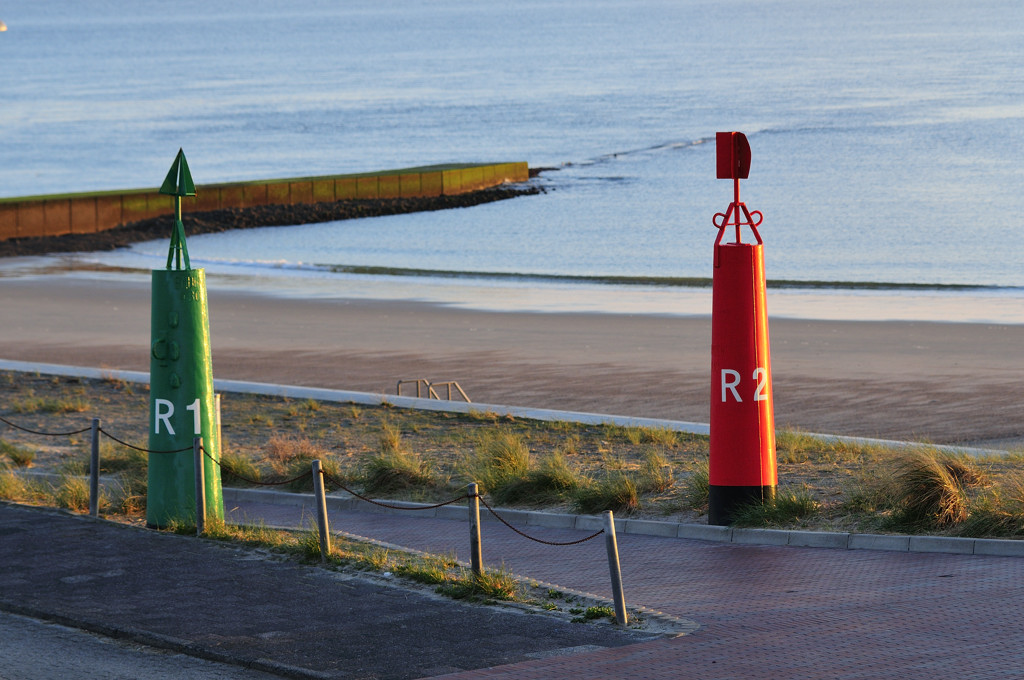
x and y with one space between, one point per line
724 502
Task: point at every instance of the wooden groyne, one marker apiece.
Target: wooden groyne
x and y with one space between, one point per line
86 213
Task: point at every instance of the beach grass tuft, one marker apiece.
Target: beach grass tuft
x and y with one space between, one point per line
239 469
129 495
928 490
117 458
697 487
616 492
491 584
20 456
637 434
787 508
655 474
997 513
549 482
501 457
73 494
300 472
390 438
12 486
49 405
283 453
395 470
429 569
794 446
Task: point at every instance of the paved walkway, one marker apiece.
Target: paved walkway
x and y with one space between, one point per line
215 601
764 611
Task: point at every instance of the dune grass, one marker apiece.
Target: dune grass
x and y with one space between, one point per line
559 466
928 490
20 456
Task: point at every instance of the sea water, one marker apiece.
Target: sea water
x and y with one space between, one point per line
887 140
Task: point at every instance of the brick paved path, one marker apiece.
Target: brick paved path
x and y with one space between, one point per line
764 611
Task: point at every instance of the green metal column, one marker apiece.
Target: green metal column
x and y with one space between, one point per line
181 398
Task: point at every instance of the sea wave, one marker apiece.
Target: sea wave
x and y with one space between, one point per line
671 145
127 261
538 293
658 281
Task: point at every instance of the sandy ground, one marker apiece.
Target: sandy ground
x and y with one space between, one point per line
938 382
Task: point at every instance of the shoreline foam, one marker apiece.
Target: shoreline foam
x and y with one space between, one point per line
970 305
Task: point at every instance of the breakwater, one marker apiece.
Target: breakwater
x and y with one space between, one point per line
87 213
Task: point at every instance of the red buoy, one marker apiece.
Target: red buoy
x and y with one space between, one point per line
742 467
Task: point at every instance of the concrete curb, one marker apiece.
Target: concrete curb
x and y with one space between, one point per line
368 398
698 532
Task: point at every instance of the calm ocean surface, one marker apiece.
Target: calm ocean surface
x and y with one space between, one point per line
887 137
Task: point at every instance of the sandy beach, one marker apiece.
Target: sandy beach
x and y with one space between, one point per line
937 382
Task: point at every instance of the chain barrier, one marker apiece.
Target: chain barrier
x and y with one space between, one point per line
501 519
87 429
538 540
387 505
44 434
257 482
309 473
139 448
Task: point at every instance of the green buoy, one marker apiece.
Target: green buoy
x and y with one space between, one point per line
181 397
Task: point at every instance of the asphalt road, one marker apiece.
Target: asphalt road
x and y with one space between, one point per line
31 649
244 607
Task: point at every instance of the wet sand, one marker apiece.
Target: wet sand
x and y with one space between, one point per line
903 380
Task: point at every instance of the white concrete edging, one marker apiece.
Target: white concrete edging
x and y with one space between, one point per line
373 399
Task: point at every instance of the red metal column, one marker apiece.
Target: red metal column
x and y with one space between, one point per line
742 466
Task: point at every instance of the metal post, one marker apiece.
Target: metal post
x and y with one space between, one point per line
321 511
621 617
476 554
197 452
94 470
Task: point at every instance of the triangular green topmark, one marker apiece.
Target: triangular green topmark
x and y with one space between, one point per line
179 179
